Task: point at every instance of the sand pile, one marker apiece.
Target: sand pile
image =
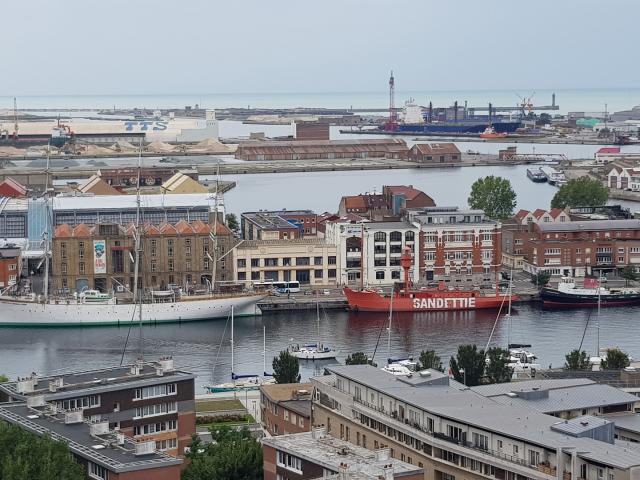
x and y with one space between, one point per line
96 150
160 147
12 152
211 145
124 146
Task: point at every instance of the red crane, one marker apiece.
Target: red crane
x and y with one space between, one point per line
392 123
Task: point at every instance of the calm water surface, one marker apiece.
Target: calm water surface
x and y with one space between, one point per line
196 346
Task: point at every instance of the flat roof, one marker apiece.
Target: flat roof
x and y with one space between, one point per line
329 452
247 244
267 220
400 224
461 404
629 422
589 225
580 425
13 205
96 381
117 458
120 202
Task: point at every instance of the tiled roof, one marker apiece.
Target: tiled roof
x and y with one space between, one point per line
437 148
609 150
522 213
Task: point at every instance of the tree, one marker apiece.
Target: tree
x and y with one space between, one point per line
429 359
4 378
581 192
232 223
544 119
494 195
468 365
629 273
233 455
497 368
540 279
359 358
27 456
286 368
577 360
616 360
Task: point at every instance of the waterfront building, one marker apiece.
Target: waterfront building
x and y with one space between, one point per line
150 176
10 265
12 188
435 153
182 183
580 248
151 403
95 185
122 209
278 224
369 252
312 130
13 218
100 257
322 149
286 408
310 261
316 455
392 202
435 423
460 247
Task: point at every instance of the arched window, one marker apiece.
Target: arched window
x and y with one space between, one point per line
395 236
409 236
354 244
380 237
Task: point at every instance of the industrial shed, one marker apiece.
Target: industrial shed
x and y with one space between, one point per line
322 149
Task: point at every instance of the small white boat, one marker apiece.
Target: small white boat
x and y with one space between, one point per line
313 351
406 366
94 296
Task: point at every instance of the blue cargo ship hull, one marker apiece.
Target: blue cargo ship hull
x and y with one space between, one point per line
457 128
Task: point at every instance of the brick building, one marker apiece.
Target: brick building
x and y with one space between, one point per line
312 130
392 202
461 247
10 266
147 409
315 455
12 188
278 225
581 248
181 254
286 408
435 153
310 261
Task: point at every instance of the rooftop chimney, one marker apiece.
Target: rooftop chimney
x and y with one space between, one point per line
318 432
343 472
383 454
388 471
167 364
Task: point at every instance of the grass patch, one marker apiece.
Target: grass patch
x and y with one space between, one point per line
218 405
229 421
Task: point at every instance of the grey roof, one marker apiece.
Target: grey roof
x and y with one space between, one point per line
629 422
329 452
589 225
81 442
579 425
467 406
389 225
9 204
504 388
119 202
587 395
96 381
301 407
267 220
9 252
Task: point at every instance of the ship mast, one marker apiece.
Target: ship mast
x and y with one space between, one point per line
598 316
47 227
214 233
137 298
393 288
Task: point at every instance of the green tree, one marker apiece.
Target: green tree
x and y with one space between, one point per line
4 378
232 223
544 119
286 368
581 192
629 273
540 279
494 195
26 456
429 359
616 360
359 358
3 396
233 455
468 365
497 368
577 360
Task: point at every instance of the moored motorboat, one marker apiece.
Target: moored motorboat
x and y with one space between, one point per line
568 295
490 132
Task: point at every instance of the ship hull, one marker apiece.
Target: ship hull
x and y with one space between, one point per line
72 314
552 299
370 301
458 128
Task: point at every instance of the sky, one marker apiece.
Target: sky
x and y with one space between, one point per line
91 47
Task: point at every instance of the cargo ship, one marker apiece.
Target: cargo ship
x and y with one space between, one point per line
408 299
568 295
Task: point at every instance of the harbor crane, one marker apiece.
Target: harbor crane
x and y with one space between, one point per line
392 123
526 103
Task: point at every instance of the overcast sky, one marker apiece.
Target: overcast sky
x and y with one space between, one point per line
237 46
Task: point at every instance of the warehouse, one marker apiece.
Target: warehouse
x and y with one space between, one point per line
322 149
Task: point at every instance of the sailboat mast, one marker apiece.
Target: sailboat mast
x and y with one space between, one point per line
317 321
47 233
393 288
264 350
214 234
509 309
233 375
137 298
598 316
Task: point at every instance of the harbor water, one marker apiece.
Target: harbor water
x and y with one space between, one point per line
204 347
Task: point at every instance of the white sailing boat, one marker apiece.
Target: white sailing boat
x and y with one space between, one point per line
314 351
397 366
241 383
81 310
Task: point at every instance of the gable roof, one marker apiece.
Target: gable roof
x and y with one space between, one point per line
556 212
11 185
408 191
522 214
98 186
437 148
609 150
354 202
539 212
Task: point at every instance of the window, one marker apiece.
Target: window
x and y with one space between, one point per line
481 441
515 449
242 275
168 444
171 265
331 260
156 409
255 262
63 268
332 273
270 262
380 275
151 428
97 471
81 268
242 263
302 261
379 237
63 250
289 462
170 248
286 261
255 275
499 444
317 273
205 264
155 391
317 260
395 237
395 275
534 458
409 236
154 266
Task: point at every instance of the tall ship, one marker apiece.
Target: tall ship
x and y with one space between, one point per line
409 299
590 295
92 307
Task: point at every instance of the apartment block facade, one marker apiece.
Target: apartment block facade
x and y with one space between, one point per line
286 408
